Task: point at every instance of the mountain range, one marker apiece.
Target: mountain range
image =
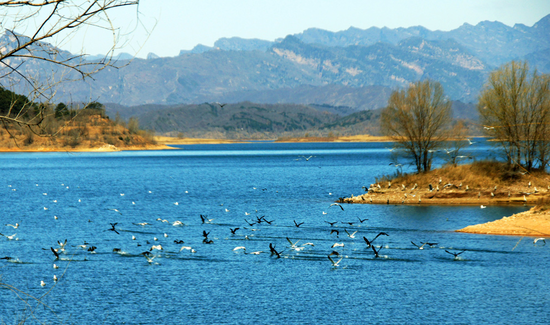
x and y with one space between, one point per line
343 72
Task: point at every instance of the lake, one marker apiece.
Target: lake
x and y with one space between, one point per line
102 199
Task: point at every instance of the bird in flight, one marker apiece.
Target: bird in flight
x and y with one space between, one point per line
298 224
352 235
113 227
369 243
337 204
455 254
332 261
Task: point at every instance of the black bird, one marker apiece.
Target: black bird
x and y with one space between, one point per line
347 222
369 243
268 222
259 220
207 241
205 234
298 224
335 231
113 227
203 218
274 251
429 244
176 241
250 223
92 249
362 220
376 251
233 231
455 254
55 253
331 223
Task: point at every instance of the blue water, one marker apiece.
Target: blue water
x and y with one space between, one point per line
498 279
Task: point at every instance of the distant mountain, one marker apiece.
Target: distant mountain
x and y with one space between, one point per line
356 69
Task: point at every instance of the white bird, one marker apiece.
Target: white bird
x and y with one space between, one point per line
337 245
55 266
332 261
352 235
470 142
239 248
189 248
133 237
14 226
177 223
12 237
149 258
483 206
157 247
42 283
176 203
539 239
293 245
54 278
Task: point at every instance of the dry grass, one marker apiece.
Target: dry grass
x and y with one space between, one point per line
464 184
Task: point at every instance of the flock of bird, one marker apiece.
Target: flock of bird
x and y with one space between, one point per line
155 239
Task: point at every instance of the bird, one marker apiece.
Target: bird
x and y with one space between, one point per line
116 210
419 247
55 278
470 141
331 223
337 245
332 261
233 230
113 227
352 235
42 283
455 254
177 223
11 237
369 243
148 256
336 204
335 231
362 220
205 234
55 253
239 248
14 226
274 251
307 158
293 245
376 251
539 239
55 266
189 248
298 224
483 206
179 242
157 247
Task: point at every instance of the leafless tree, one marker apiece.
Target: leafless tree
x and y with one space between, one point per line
515 109
416 118
28 62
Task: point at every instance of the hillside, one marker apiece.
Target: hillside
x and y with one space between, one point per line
88 130
248 120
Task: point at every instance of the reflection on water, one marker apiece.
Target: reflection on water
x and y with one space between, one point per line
58 196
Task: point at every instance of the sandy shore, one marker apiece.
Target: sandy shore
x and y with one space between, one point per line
535 222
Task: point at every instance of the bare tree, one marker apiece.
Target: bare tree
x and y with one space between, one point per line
515 108
416 119
28 62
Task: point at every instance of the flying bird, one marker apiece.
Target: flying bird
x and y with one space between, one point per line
337 204
369 242
455 254
332 261
298 224
113 227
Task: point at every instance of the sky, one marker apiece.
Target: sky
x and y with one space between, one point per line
164 27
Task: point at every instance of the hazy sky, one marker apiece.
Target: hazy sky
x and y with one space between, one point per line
174 25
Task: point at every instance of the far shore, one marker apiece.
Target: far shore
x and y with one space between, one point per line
164 142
